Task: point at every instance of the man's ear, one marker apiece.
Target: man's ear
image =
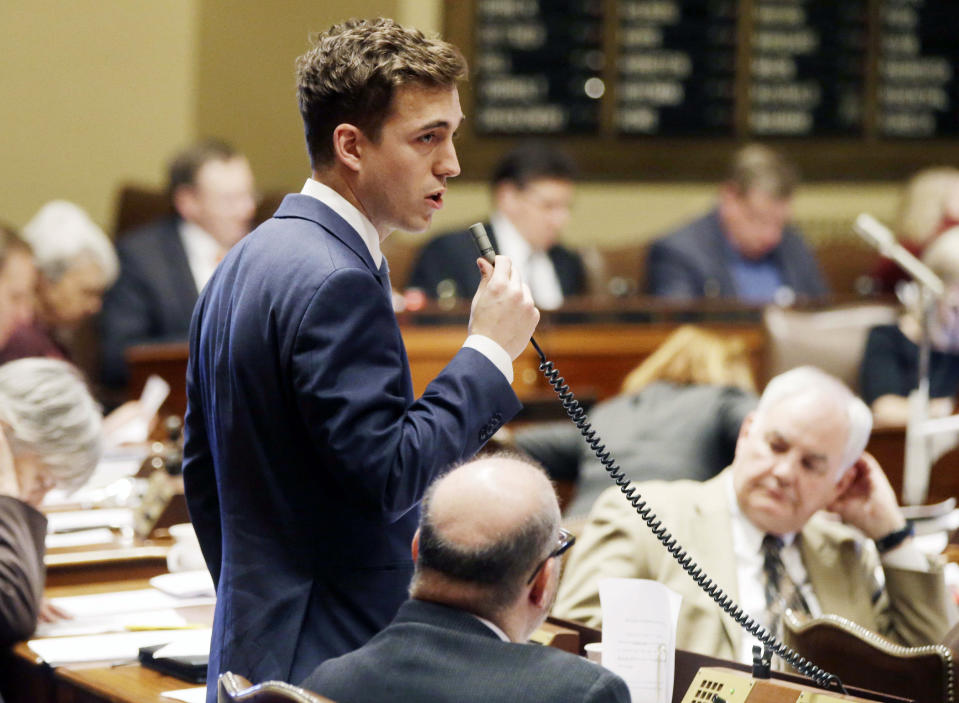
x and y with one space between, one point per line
744 428
348 143
539 594
184 201
415 545
847 479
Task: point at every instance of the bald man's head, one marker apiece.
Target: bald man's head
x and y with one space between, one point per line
485 526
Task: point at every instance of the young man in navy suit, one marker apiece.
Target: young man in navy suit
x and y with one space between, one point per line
306 453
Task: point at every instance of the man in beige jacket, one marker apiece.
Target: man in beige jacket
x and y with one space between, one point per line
799 454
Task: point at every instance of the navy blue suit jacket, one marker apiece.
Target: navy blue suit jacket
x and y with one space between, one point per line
432 652
306 454
690 263
453 255
152 299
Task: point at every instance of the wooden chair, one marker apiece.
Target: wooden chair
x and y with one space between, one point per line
233 688
862 658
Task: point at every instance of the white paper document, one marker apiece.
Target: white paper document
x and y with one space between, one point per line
114 648
80 538
103 604
189 643
185 584
73 520
122 622
639 635
137 427
187 695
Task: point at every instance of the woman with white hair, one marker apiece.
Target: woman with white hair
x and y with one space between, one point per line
76 263
50 435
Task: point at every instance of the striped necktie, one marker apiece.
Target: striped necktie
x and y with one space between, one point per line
780 590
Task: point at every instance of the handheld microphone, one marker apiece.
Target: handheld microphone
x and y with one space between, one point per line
482 242
485 247
879 236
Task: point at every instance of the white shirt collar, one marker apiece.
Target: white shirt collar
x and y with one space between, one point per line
494 627
752 535
203 251
345 209
508 239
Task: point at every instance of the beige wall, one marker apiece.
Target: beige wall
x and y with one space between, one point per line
94 92
97 92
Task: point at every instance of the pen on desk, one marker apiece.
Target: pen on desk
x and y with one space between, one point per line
147 628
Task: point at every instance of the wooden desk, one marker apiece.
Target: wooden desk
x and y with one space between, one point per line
594 357
23 677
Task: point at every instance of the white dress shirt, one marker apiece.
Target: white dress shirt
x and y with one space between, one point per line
535 266
498 356
203 252
747 548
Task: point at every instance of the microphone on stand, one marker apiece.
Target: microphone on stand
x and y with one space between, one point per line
879 236
918 461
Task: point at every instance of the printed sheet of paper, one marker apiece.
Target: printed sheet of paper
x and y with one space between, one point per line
122 622
187 695
103 604
639 635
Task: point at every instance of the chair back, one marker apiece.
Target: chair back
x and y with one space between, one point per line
833 340
233 688
864 659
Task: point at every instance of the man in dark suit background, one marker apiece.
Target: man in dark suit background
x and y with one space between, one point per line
306 454
487 556
165 264
532 196
744 248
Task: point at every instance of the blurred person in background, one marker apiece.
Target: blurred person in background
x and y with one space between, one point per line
743 249
50 435
889 371
18 281
928 207
533 188
165 264
678 416
76 264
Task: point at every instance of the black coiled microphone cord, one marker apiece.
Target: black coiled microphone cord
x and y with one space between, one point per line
729 606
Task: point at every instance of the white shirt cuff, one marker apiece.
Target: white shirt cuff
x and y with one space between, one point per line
498 356
905 556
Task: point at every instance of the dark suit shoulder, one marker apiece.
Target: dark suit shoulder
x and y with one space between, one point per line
148 235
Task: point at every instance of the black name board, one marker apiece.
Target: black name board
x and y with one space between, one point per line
850 88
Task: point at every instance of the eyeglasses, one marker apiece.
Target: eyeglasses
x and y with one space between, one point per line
566 540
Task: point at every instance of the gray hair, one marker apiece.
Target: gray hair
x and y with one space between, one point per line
48 411
808 379
61 233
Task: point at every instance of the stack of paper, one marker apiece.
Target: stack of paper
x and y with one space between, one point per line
119 647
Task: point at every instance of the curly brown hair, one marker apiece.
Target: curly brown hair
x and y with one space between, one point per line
353 70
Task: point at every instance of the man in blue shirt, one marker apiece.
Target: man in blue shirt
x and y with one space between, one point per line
744 248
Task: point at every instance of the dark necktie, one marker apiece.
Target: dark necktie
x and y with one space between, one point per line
780 590
385 279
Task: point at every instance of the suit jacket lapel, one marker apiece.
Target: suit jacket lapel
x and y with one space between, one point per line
822 558
182 277
715 529
307 207
719 271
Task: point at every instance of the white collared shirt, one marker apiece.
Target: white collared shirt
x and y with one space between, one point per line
747 549
203 252
494 627
498 356
535 266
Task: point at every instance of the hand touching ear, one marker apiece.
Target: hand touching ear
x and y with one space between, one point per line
867 501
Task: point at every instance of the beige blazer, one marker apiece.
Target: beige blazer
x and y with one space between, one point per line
843 569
